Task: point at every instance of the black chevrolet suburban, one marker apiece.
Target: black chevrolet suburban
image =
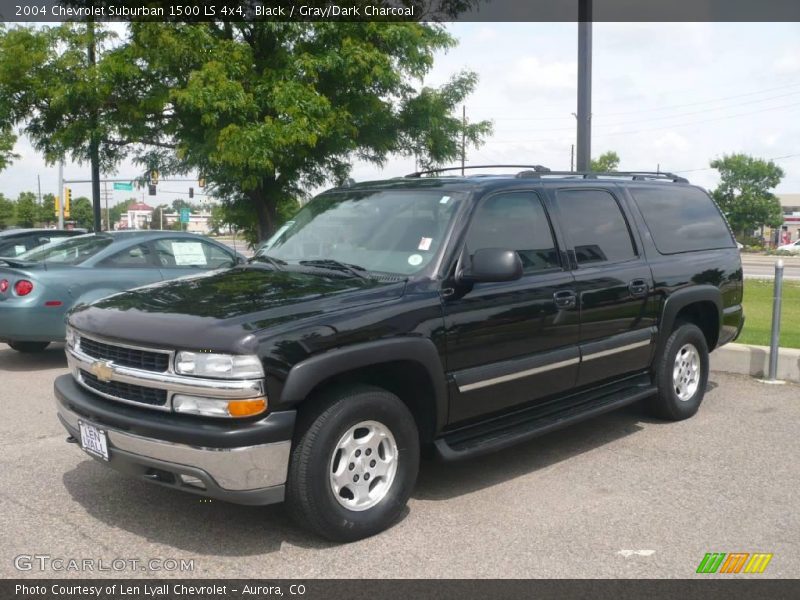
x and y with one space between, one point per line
454 315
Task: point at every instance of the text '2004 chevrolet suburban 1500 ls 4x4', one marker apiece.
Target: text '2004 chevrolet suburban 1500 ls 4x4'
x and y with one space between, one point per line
458 314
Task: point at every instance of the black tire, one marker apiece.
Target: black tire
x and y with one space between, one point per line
28 347
310 495
668 404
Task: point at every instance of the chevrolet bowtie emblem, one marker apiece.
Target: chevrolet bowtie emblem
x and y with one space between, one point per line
102 370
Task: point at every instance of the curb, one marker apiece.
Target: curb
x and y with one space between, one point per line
754 361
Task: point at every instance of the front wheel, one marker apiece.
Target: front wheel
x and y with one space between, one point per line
681 374
28 347
354 464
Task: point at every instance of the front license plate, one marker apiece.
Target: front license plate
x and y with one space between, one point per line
93 440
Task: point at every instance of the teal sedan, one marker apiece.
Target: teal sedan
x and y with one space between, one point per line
38 287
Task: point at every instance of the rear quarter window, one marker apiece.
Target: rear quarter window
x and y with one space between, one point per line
682 219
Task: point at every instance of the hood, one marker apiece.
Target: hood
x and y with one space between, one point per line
223 309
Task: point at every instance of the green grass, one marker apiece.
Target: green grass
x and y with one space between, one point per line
758 313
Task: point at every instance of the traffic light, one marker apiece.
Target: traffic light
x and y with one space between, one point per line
57 205
201 183
153 178
67 201
191 192
151 190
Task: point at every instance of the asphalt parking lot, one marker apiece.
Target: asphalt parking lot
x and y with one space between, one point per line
619 496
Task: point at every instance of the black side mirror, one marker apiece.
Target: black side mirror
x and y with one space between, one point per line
491 265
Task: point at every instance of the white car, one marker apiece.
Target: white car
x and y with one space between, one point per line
793 247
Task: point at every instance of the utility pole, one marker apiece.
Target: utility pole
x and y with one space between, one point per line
94 142
60 195
463 137
39 185
572 157
584 84
106 194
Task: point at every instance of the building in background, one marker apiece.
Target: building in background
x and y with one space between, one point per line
791 214
138 216
198 222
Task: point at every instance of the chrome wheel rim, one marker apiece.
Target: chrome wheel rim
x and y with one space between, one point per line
686 372
363 465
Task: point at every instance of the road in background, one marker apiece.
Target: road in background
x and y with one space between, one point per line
621 495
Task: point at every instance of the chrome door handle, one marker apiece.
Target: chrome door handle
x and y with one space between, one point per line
638 287
565 299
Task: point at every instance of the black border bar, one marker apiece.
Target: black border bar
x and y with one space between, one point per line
399 10
704 587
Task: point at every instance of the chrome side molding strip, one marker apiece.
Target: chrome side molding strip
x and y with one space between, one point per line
512 376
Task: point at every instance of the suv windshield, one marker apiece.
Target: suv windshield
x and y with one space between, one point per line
394 231
69 251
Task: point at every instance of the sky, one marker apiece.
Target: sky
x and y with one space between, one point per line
665 95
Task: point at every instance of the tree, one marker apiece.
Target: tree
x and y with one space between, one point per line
267 110
607 161
81 212
27 210
744 193
262 110
7 212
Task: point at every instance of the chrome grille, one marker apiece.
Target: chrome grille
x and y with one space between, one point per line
126 391
122 355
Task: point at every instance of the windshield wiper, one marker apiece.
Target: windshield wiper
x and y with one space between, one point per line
329 263
277 263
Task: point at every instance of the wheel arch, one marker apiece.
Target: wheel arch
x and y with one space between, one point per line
410 368
701 305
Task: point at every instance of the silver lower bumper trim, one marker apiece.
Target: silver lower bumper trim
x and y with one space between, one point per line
233 469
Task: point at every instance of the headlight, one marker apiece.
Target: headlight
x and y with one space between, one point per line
72 337
225 366
217 407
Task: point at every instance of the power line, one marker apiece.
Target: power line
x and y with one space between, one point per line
661 128
712 168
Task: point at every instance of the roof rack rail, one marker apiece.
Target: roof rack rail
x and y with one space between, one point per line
537 168
538 171
635 175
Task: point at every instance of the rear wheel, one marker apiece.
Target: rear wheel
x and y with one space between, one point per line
354 464
29 347
681 374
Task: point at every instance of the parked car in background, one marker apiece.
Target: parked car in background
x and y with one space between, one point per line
39 286
793 247
14 242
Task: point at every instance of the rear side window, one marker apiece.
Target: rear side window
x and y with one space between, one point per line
596 227
682 219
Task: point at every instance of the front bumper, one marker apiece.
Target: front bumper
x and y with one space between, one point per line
244 463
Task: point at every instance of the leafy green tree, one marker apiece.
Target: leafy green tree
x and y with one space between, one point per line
745 193
81 212
262 110
27 210
7 212
607 161
267 110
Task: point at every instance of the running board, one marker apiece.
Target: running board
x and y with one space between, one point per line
504 432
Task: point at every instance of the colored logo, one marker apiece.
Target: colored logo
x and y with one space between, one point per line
734 562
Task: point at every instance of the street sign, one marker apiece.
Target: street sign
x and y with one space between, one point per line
184 215
127 187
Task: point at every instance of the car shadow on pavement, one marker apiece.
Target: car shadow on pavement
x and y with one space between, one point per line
442 481
181 520
52 357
